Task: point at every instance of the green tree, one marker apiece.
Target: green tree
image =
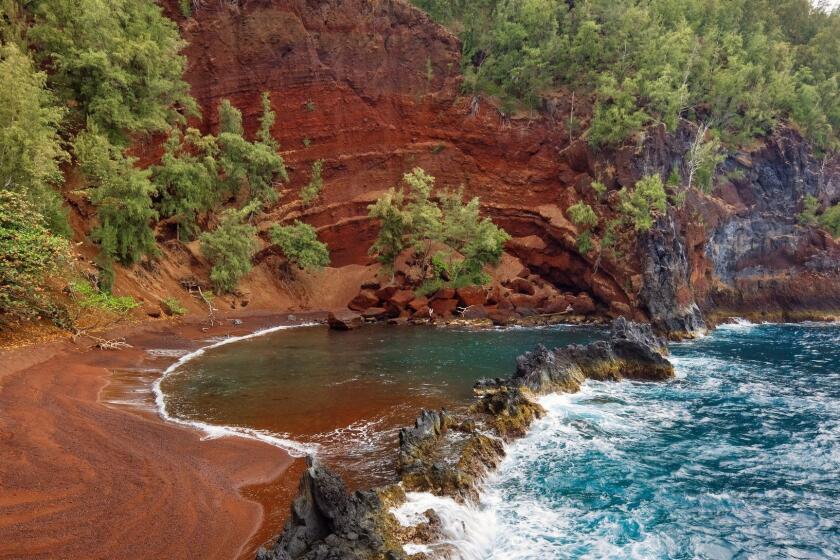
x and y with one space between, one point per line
251 165
116 63
30 147
412 218
122 194
230 248
30 255
313 188
583 216
187 178
299 243
641 204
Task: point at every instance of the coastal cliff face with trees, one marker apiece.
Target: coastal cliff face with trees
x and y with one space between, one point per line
668 160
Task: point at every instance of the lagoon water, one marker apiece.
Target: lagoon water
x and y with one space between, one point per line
739 457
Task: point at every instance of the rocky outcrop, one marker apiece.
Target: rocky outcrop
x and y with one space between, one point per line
633 351
450 454
329 523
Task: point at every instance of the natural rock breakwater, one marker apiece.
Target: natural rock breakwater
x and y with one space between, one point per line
450 454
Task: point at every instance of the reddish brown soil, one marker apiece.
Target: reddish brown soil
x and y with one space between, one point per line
82 479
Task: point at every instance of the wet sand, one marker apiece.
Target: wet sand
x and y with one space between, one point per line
84 478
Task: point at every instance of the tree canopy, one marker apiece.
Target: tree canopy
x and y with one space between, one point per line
742 66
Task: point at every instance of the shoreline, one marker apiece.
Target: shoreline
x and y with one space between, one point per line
100 480
82 466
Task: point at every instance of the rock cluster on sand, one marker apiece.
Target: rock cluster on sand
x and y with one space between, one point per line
450 454
501 303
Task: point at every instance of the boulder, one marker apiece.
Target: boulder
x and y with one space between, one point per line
475 312
471 295
557 304
583 304
444 307
444 293
402 298
376 313
344 320
523 286
419 303
524 301
501 317
364 300
386 292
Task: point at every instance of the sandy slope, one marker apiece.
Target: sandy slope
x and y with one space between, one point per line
82 479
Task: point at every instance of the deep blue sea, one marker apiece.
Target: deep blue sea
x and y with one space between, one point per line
739 457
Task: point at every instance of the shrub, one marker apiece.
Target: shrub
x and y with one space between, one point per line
88 296
585 218
123 197
29 256
229 248
187 178
300 245
172 306
313 188
411 218
830 220
643 202
251 165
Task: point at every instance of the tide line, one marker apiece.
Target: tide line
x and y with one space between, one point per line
212 431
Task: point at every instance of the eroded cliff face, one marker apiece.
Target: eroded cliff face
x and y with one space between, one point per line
373 88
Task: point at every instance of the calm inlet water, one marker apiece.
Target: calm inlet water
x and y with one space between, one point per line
739 457
348 392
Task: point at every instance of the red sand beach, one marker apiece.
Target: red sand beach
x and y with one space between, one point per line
80 478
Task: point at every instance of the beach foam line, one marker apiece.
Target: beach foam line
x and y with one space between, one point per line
213 431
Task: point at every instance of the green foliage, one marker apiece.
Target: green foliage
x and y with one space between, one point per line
412 218
186 7
116 63
251 165
30 148
187 178
307 142
267 120
29 256
584 217
641 204
122 195
230 119
393 225
316 183
582 214
310 105
810 206
616 114
229 248
599 188
743 66
300 245
830 220
89 297
173 306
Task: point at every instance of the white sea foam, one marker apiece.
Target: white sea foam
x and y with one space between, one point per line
737 324
212 431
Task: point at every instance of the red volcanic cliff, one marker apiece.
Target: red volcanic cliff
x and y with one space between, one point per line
373 88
